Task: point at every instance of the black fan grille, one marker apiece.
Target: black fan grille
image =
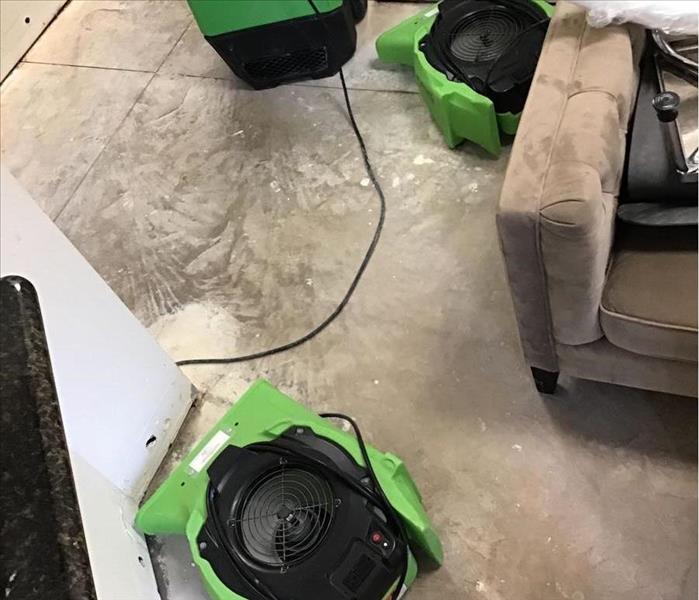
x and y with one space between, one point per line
485 34
284 516
292 64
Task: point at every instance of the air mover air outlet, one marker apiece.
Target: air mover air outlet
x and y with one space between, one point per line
490 45
479 37
293 514
474 61
284 516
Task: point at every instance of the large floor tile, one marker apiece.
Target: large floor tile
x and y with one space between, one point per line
118 34
194 56
203 179
55 122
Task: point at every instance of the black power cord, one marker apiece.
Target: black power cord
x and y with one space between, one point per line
355 281
388 507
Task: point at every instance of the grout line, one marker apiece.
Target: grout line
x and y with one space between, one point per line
179 39
37 62
297 84
353 89
118 127
192 76
106 144
103 68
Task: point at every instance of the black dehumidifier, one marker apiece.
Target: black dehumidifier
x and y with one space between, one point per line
270 42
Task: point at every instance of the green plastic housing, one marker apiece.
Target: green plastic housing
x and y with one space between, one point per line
263 413
460 112
215 17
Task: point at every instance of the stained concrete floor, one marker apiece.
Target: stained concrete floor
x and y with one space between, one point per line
230 220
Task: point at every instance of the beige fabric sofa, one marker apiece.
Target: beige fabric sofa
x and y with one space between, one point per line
592 300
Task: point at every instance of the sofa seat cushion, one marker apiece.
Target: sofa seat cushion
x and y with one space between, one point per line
649 303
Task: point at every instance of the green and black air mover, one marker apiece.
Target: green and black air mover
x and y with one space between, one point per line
279 504
269 42
474 61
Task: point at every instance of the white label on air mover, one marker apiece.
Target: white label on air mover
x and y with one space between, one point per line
212 447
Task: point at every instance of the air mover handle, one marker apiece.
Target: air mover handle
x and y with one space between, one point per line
666 105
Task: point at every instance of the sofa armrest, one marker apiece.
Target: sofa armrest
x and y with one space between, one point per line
558 202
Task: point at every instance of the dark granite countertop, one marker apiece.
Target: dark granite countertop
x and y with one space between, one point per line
42 545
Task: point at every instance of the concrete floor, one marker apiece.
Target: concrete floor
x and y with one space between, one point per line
230 221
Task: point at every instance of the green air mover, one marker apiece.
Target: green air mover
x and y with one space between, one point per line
268 42
278 504
474 61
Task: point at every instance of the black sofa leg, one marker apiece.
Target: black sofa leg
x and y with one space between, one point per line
546 381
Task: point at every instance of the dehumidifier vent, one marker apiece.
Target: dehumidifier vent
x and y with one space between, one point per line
299 63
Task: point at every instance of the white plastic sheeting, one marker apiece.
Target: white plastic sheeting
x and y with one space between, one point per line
670 16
